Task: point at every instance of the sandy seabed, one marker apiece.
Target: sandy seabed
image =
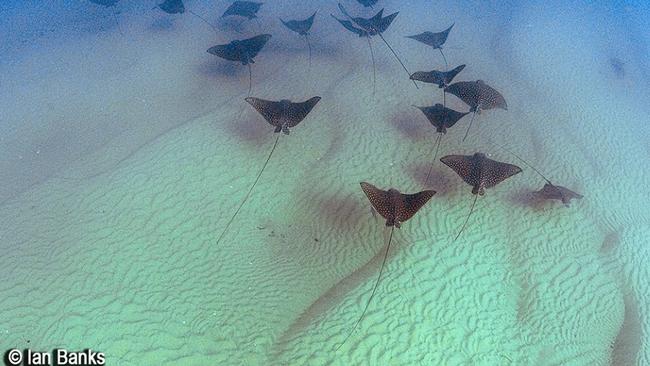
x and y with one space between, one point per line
108 233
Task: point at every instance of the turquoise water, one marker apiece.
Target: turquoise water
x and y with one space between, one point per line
127 148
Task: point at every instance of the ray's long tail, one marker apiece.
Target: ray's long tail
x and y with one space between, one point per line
522 160
374 289
435 155
444 95
374 69
309 47
467 219
250 80
203 20
444 58
250 190
470 125
398 59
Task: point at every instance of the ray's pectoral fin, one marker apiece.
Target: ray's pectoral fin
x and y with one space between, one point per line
298 111
496 172
412 203
379 200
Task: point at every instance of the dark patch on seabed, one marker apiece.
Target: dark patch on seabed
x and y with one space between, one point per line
626 348
419 170
330 299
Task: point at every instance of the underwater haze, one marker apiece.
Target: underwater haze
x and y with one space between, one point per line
167 202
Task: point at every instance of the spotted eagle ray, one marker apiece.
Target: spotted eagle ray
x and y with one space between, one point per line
171 6
106 3
177 7
478 95
554 192
550 191
396 208
435 40
245 9
282 115
243 51
441 118
480 172
440 78
302 27
368 27
367 3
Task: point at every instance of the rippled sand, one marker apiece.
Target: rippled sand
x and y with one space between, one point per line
116 251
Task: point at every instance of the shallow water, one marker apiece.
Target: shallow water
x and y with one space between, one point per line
126 149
